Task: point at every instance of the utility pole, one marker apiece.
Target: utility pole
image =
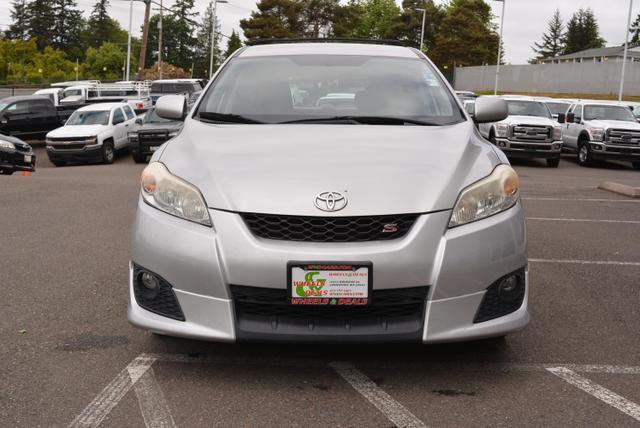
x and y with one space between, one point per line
424 17
495 88
626 47
145 34
160 43
129 40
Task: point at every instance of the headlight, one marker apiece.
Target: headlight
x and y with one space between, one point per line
557 133
7 145
489 196
597 134
501 130
173 195
93 140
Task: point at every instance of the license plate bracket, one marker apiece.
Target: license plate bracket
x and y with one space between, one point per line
329 283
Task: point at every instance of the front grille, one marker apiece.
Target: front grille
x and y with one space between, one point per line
72 146
162 302
329 229
623 137
154 138
22 148
62 139
531 133
265 312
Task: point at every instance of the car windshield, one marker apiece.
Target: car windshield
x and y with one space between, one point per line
636 112
608 113
557 108
3 106
527 108
72 92
152 117
278 89
89 118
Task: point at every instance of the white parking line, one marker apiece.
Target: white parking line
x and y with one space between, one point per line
394 411
598 391
111 395
585 262
628 201
153 405
584 220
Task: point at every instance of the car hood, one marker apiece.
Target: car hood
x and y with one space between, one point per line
77 131
279 169
529 120
614 124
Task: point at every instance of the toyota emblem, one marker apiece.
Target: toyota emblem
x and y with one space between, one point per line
330 201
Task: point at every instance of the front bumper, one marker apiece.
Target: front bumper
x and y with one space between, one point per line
202 264
92 153
605 151
529 150
17 160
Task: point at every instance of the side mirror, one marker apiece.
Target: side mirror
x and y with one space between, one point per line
570 118
490 109
138 121
562 118
172 107
577 119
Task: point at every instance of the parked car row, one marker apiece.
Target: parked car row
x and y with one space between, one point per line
539 127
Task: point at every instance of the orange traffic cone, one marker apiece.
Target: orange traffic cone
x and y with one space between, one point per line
25 174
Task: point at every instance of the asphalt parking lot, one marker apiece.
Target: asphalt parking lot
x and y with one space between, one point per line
70 358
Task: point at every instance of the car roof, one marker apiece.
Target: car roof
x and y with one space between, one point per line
24 98
101 106
327 49
48 91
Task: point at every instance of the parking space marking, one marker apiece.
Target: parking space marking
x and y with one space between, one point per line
111 395
585 262
153 405
600 392
584 220
627 201
399 415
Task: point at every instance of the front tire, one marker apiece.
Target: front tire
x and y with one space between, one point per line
553 163
585 158
636 165
139 158
108 152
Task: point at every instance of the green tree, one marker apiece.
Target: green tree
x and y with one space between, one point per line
183 42
102 28
41 22
552 41
582 32
634 30
378 19
274 19
105 62
68 27
347 18
203 45
466 36
15 56
19 28
50 65
317 17
233 44
408 25
170 30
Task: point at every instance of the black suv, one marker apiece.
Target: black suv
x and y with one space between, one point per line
151 132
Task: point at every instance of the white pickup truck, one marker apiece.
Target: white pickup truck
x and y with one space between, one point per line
602 130
528 132
135 94
92 133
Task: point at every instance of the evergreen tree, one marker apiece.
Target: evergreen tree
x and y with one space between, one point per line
19 28
274 19
634 30
347 18
582 32
68 27
183 43
318 17
170 29
102 28
203 45
233 44
552 41
408 26
40 22
378 19
466 36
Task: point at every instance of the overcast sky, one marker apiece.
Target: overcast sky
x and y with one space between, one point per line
525 20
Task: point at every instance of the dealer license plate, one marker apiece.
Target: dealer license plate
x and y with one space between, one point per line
340 284
154 148
27 158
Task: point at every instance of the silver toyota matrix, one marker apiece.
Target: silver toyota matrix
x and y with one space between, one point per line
332 192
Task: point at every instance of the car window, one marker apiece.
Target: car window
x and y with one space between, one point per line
557 108
118 116
88 118
285 88
603 112
20 107
527 108
39 106
130 114
578 111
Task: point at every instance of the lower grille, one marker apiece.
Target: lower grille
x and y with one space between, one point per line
162 302
266 313
493 306
329 229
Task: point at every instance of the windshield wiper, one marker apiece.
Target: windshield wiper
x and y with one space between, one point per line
369 120
225 118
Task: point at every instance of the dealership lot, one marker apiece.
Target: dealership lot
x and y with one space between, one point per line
70 357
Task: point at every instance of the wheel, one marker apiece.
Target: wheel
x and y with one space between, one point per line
584 154
108 152
6 171
553 162
636 165
59 163
139 158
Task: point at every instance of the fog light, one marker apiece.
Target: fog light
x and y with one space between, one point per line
502 144
149 281
596 147
509 288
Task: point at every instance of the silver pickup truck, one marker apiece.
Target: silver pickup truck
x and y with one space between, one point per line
528 132
602 130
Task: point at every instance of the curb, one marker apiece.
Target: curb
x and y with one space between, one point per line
621 189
